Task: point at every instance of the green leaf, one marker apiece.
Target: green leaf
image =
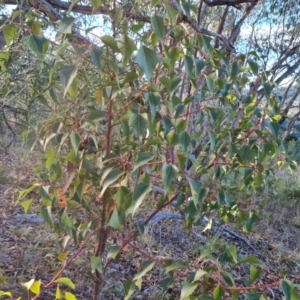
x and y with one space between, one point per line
4 57
254 273
10 32
110 42
96 264
28 284
142 159
232 251
114 220
218 292
212 139
37 44
139 193
174 265
195 189
96 54
157 23
75 140
67 75
251 260
209 82
26 205
66 281
253 66
234 70
128 288
267 89
65 24
147 60
127 47
169 172
113 251
66 220
58 293
145 268
153 101
273 126
139 123
171 11
287 288
187 289
188 65
47 215
185 140
36 287
172 138
97 115
111 177
70 296
199 66
96 4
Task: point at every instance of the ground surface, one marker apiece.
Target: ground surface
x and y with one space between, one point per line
30 250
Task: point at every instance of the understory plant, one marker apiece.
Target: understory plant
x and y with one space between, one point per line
131 126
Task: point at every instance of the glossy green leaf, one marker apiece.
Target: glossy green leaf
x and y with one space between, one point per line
66 281
147 60
67 75
234 70
111 178
251 260
96 264
185 140
65 24
139 123
195 190
69 296
26 205
113 251
188 65
10 32
58 293
175 265
46 213
75 140
267 89
218 293
169 173
187 289
128 288
97 115
253 66
287 288
145 268
254 273
28 284
139 193
96 54
153 101
158 26
232 251
114 220
110 42
142 159
96 4
127 47
37 44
